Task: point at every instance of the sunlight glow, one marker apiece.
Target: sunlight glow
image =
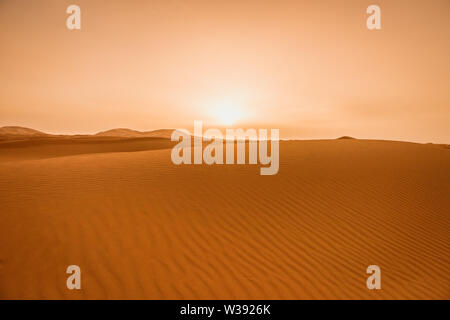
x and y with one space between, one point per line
227 113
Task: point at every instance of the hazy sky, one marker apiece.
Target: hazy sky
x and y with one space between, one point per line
310 68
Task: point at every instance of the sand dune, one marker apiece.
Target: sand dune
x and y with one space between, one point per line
123 132
19 131
141 227
50 147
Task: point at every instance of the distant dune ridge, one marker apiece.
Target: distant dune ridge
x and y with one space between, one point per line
123 132
20 131
141 227
119 132
25 143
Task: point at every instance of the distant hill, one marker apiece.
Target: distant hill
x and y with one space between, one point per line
20 131
129 133
345 137
160 133
119 132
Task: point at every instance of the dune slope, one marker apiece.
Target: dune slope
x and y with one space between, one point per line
141 227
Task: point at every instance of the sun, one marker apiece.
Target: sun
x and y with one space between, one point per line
227 116
227 113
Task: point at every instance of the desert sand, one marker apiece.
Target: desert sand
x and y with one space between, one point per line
141 227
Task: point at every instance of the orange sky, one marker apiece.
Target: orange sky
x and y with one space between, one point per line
310 68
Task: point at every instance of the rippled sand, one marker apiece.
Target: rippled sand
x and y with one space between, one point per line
140 227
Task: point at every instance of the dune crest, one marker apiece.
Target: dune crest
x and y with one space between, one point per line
20 131
125 132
